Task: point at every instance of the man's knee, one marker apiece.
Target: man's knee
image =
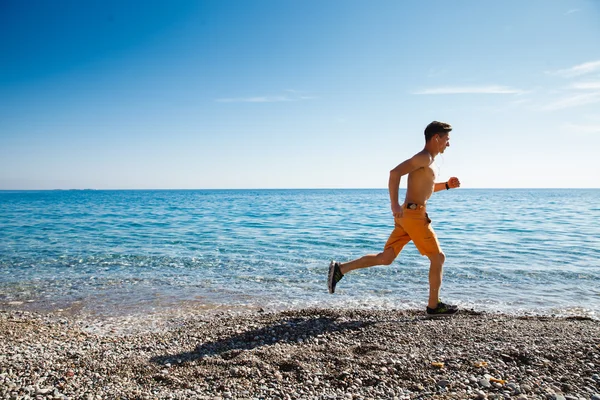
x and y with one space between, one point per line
437 258
387 257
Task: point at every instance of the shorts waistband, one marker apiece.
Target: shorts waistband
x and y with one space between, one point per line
413 206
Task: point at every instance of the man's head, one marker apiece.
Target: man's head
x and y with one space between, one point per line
439 132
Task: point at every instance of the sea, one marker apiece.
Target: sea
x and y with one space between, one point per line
138 252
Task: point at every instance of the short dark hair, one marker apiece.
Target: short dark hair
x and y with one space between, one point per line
436 127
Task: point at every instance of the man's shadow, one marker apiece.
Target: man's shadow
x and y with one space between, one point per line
292 330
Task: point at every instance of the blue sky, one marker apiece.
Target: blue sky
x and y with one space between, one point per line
296 94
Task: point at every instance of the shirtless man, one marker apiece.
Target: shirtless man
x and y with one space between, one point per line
411 221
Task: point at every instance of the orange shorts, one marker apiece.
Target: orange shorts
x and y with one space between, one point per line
414 225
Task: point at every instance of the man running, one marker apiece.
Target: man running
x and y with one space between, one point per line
411 221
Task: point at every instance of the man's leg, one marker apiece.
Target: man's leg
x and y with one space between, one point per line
435 277
392 248
386 257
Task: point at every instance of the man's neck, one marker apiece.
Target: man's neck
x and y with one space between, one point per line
431 150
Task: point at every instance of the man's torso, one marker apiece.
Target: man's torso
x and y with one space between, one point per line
420 185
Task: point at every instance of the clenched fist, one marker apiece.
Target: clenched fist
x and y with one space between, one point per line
453 183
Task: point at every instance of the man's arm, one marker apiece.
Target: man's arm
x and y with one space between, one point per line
452 183
417 161
439 186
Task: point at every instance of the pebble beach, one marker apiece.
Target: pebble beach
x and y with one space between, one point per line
300 354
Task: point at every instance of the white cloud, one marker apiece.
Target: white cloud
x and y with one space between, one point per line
573 100
578 70
577 93
574 10
586 85
489 89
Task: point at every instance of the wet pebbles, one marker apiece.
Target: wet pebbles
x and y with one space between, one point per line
311 354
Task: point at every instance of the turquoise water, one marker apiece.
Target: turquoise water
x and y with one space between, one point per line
516 251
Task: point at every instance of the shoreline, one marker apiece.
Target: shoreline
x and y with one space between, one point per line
160 306
154 317
307 353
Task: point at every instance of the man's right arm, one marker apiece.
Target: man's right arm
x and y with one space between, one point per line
406 167
393 187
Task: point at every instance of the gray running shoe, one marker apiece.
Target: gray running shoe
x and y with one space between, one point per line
335 275
442 310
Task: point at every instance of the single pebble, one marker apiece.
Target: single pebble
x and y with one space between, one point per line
442 383
484 383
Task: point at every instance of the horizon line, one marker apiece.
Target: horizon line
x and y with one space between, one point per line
291 188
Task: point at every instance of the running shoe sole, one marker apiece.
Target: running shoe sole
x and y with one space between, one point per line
441 315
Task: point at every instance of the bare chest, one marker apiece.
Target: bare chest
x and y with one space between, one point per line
426 174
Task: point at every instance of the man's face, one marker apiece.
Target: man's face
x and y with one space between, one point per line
443 141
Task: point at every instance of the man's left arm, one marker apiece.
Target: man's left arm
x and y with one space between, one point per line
452 183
